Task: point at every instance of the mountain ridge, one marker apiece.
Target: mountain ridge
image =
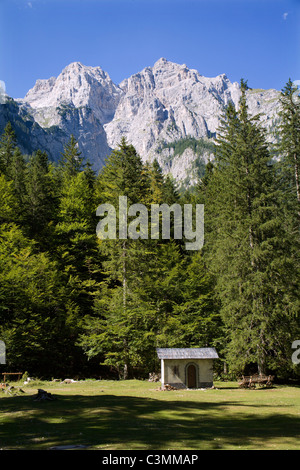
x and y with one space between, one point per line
153 108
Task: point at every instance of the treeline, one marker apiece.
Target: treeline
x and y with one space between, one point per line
71 303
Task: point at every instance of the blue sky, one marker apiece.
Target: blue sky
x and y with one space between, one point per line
258 40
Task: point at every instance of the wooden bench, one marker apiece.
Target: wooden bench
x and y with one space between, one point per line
253 380
5 374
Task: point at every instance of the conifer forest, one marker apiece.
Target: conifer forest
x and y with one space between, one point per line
72 304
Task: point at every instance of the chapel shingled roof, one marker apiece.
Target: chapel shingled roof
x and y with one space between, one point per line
187 353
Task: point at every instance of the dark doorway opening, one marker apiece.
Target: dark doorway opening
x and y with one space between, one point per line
191 376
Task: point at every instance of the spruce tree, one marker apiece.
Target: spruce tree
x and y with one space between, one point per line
156 186
123 175
16 172
40 200
290 134
71 159
8 144
73 238
8 202
288 166
246 244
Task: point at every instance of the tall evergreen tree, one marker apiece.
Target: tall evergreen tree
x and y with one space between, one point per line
156 183
290 135
288 166
8 144
246 245
71 159
40 200
123 175
8 202
16 171
75 237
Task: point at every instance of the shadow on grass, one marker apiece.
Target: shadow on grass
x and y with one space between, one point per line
122 422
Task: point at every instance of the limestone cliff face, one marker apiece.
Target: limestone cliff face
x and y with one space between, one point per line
153 109
77 86
79 101
169 102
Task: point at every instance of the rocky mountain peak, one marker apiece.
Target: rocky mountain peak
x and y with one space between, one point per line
153 109
77 85
161 62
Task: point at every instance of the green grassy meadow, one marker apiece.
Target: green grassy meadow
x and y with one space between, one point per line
136 415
